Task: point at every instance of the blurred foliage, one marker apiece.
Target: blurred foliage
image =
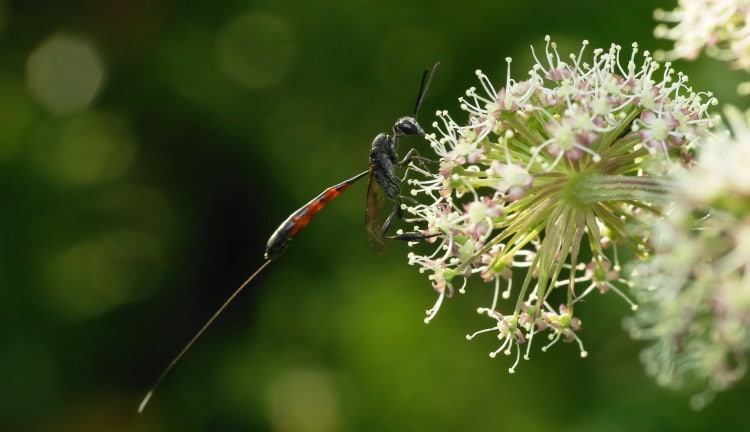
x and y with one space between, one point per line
147 150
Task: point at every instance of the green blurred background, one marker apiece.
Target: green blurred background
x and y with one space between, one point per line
148 149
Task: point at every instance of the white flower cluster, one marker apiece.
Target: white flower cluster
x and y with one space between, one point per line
694 292
545 176
717 26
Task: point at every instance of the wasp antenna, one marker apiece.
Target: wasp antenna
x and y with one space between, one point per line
198 334
423 86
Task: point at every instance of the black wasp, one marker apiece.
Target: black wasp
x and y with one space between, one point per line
382 179
383 162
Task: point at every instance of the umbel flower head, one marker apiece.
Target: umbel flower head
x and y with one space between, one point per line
694 291
540 185
717 26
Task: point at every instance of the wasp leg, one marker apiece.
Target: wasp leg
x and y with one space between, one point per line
412 155
412 236
396 211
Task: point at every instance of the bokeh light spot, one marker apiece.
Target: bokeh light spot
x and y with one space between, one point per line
90 148
64 74
255 50
95 275
303 401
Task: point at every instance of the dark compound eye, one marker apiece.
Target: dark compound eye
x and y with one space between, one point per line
407 126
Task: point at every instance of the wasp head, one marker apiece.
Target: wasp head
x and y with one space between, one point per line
407 126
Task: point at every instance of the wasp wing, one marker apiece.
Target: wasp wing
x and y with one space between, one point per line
374 217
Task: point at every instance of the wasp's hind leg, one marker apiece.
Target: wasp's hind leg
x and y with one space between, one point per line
412 236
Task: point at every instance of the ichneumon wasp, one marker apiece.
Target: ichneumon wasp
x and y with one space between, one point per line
382 177
383 162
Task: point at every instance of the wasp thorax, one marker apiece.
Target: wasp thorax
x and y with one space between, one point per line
407 126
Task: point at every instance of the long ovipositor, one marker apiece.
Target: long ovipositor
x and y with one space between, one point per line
383 160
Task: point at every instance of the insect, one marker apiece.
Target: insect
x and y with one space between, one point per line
383 162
